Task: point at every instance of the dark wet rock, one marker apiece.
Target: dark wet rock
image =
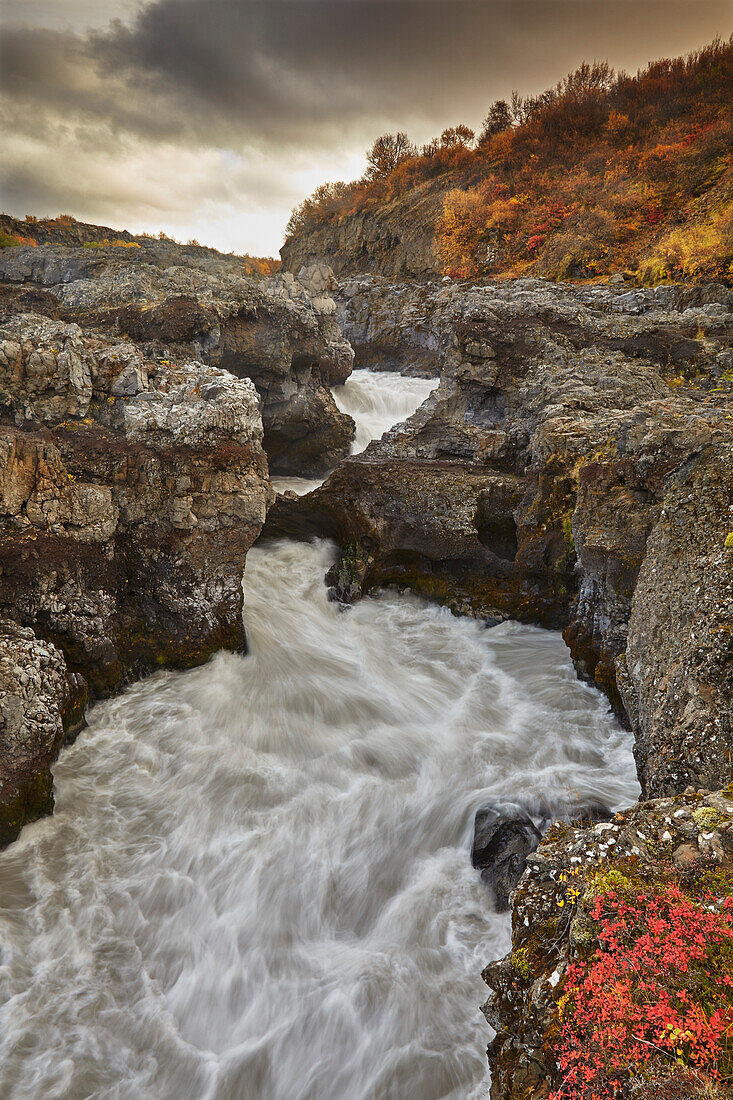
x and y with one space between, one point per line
41 704
501 844
346 577
503 837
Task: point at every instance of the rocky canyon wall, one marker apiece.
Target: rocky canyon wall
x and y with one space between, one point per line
139 405
572 469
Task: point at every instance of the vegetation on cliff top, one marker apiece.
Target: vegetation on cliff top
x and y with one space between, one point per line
602 173
66 230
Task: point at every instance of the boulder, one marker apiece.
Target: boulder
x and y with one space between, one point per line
502 840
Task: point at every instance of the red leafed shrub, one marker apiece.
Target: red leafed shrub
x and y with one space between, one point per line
653 215
535 242
655 996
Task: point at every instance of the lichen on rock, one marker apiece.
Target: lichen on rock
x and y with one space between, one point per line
123 532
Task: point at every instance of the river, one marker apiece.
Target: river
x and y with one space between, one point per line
257 882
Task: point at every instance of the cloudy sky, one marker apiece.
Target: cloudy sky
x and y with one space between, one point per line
212 118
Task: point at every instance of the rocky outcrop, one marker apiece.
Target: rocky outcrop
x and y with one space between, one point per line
130 491
395 238
161 250
281 333
571 469
392 327
685 842
676 677
41 704
501 843
505 833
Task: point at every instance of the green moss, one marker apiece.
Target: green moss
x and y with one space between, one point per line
583 932
605 881
521 964
728 544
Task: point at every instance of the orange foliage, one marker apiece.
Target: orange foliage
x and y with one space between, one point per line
589 177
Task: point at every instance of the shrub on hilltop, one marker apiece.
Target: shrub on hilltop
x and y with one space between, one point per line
604 172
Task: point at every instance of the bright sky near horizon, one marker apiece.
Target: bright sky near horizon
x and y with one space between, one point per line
212 118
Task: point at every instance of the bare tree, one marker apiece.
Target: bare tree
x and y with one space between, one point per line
386 153
454 136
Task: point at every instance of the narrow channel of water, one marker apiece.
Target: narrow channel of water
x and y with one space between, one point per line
257 883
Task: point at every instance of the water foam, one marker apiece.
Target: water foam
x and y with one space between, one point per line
257 882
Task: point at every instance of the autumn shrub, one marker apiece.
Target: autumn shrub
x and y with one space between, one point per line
703 249
14 240
262 265
106 243
619 128
461 230
654 996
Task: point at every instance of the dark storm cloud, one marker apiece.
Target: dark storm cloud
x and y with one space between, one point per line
311 70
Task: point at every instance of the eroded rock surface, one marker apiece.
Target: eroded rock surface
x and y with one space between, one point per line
131 489
280 332
397 239
571 469
41 703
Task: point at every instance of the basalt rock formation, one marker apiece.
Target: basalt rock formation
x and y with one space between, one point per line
130 491
395 239
41 704
279 332
501 843
572 469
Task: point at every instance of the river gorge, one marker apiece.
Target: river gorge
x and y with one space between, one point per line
342 624
256 884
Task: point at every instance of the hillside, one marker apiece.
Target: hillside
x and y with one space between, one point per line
65 230
603 173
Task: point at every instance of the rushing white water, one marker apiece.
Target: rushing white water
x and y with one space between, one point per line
377 400
257 883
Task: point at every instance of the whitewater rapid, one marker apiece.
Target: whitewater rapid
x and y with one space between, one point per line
257 883
377 400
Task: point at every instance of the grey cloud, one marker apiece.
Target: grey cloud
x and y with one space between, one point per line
316 71
283 66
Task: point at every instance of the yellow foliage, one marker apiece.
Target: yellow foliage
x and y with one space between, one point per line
692 251
460 231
